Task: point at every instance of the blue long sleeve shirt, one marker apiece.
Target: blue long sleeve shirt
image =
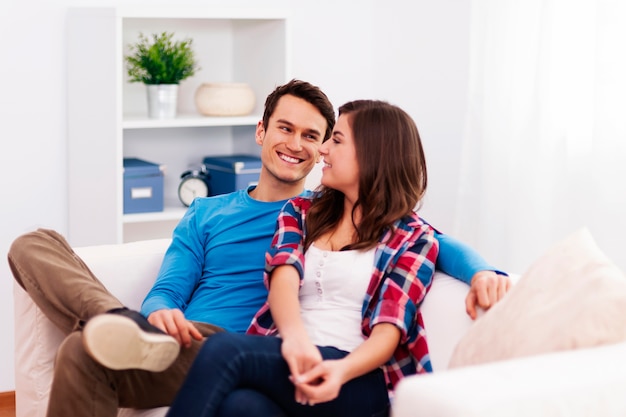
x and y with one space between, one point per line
213 269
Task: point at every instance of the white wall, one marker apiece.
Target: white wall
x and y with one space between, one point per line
421 58
412 53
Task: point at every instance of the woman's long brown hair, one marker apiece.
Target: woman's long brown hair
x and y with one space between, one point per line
392 169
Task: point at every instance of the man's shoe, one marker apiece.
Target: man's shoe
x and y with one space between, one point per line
124 339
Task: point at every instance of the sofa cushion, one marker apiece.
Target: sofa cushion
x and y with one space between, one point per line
571 297
576 383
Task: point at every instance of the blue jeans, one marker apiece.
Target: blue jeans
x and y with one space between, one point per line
240 375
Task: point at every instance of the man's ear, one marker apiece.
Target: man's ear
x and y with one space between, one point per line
259 135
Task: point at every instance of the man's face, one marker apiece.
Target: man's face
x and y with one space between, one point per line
291 141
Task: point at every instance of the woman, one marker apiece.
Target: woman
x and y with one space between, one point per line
347 272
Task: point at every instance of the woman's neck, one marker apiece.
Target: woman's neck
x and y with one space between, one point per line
343 234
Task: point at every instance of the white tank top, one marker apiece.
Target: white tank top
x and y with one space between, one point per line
332 294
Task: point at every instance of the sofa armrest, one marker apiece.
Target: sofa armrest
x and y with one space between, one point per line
128 270
583 382
445 319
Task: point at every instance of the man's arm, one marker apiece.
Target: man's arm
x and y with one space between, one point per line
181 268
459 260
487 284
179 273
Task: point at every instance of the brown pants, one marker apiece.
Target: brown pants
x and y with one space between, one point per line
68 293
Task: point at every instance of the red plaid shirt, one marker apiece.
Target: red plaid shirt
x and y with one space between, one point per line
404 264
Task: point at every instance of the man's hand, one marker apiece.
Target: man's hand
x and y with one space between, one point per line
486 289
174 323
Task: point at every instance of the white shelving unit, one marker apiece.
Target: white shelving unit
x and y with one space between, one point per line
107 115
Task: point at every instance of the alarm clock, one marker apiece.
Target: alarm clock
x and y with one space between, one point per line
194 183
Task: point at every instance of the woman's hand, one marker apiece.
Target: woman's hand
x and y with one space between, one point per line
323 382
301 356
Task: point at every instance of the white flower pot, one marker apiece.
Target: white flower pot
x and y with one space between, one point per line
162 100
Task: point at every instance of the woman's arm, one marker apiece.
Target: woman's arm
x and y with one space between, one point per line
324 381
391 315
297 348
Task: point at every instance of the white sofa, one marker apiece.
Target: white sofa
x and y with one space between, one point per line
588 382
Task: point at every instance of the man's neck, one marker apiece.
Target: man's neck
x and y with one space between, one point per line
277 191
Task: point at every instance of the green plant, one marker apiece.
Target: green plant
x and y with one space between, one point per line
159 60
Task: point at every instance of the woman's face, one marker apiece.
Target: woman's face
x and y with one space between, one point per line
341 170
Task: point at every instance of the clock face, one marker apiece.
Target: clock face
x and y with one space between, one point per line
191 188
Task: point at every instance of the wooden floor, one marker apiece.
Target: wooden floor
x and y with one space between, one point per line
7 404
7 412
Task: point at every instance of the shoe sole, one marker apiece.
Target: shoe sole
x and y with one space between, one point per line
118 343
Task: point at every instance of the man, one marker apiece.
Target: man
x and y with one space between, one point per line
210 279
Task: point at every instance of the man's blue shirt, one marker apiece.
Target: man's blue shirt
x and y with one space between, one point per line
213 269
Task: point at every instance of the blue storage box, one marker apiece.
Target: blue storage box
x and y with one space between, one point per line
232 172
143 186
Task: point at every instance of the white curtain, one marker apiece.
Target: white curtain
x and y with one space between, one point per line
545 146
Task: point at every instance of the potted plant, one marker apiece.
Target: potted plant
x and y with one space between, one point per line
161 64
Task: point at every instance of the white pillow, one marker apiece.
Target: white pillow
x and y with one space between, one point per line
571 297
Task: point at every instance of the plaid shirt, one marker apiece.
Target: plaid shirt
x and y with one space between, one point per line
404 264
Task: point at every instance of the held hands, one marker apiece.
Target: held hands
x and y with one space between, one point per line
322 383
174 323
486 289
301 355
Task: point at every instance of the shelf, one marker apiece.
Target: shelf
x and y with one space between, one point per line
170 212
194 12
189 120
107 114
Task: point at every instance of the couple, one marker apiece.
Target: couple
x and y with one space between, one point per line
210 281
